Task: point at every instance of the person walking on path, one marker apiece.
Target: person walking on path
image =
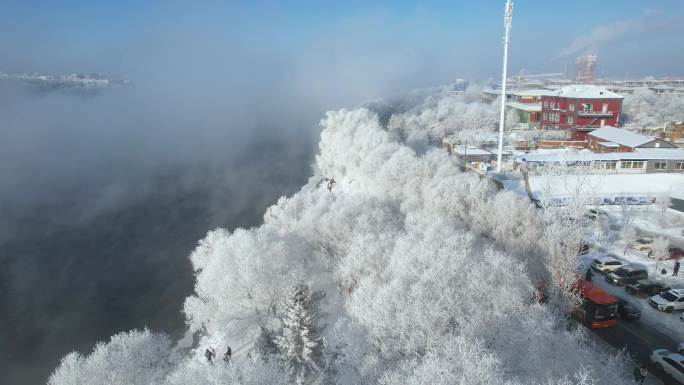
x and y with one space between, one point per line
587 276
229 353
676 269
209 354
640 374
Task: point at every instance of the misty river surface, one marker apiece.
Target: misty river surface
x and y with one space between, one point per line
74 271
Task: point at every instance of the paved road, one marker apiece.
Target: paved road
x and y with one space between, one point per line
639 341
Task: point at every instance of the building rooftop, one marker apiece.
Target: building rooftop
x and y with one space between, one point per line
536 92
659 153
588 156
586 91
529 107
620 136
471 151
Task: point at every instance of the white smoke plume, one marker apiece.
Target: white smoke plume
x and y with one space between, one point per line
606 34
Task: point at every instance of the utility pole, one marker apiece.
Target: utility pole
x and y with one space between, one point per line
508 17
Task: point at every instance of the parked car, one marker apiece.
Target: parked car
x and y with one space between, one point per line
594 213
646 288
675 252
668 301
608 201
626 274
669 362
606 264
642 244
627 310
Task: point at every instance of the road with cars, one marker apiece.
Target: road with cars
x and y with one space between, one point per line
638 338
640 341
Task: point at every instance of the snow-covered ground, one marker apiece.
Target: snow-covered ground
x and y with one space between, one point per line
612 184
602 184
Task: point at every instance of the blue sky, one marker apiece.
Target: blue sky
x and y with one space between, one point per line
419 43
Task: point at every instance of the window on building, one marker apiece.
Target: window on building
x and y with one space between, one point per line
586 107
610 165
571 120
631 164
661 165
679 166
545 116
571 107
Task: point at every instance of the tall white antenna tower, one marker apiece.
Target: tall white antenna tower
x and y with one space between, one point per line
508 18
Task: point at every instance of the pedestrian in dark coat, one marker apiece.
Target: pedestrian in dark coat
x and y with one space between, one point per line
209 354
587 277
229 353
676 269
643 372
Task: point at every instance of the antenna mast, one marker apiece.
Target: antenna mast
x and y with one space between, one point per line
508 17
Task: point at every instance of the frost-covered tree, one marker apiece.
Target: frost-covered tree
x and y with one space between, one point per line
265 344
396 126
660 250
628 230
136 357
300 346
663 201
238 279
421 265
644 109
566 191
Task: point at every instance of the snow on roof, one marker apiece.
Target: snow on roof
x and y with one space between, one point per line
661 87
471 151
586 91
587 156
660 153
529 107
609 144
620 136
538 92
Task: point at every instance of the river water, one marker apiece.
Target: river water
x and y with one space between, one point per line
87 258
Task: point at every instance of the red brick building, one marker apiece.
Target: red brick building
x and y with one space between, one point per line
580 109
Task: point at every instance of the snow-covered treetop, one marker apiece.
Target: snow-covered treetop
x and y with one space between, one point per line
428 274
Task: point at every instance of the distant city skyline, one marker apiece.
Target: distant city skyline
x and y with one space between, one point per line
383 46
